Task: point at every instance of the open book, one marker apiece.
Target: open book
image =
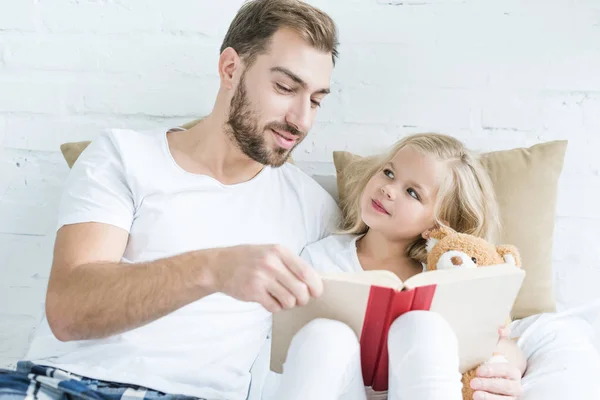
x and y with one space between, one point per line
475 302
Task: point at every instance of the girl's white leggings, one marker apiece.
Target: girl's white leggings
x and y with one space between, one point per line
323 362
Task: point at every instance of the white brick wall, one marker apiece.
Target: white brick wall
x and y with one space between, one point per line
497 74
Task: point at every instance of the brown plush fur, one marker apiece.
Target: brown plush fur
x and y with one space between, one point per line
484 252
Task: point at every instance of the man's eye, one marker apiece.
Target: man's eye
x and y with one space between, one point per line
283 88
315 103
387 172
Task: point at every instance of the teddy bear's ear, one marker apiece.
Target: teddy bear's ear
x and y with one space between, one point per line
510 254
440 232
436 234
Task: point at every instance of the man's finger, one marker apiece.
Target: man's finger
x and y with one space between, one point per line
303 271
285 299
270 303
499 370
295 286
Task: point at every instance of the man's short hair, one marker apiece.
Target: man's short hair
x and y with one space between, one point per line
256 21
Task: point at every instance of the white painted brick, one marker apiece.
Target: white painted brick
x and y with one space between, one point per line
2 51
576 284
161 56
381 24
14 339
31 190
3 129
26 259
323 139
518 67
576 69
463 67
579 198
18 15
575 241
22 300
511 110
183 97
145 55
452 108
591 113
17 95
47 133
199 16
107 17
582 163
50 52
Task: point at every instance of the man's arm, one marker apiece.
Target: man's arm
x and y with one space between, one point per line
92 295
509 349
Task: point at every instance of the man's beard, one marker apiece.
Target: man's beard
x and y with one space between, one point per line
243 127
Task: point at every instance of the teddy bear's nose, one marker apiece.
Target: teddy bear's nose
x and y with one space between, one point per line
456 260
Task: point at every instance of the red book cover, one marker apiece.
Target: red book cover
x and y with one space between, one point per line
402 302
374 326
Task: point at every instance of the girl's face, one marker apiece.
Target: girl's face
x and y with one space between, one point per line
399 200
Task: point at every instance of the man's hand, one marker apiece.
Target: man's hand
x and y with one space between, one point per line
270 275
92 295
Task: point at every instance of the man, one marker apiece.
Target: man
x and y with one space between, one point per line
174 247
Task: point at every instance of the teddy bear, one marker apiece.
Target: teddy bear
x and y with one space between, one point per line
447 249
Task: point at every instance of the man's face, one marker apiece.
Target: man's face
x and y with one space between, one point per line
276 99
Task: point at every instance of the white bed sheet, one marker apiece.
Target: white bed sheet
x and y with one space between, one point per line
563 358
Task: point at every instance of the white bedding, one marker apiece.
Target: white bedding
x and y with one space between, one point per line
588 312
561 348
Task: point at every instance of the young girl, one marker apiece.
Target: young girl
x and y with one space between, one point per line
425 180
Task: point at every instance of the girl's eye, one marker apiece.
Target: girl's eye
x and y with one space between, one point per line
315 103
413 193
387 172
284 89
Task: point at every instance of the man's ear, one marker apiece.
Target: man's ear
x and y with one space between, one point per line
229 62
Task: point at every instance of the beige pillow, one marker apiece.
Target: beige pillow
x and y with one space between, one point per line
526 183
72 150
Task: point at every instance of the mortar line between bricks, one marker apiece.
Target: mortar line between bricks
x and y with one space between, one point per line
22 234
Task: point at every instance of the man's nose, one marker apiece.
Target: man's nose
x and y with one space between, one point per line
300 115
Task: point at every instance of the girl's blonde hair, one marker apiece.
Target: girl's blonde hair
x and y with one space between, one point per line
465 200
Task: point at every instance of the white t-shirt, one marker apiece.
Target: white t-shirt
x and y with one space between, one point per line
333 254
129 179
